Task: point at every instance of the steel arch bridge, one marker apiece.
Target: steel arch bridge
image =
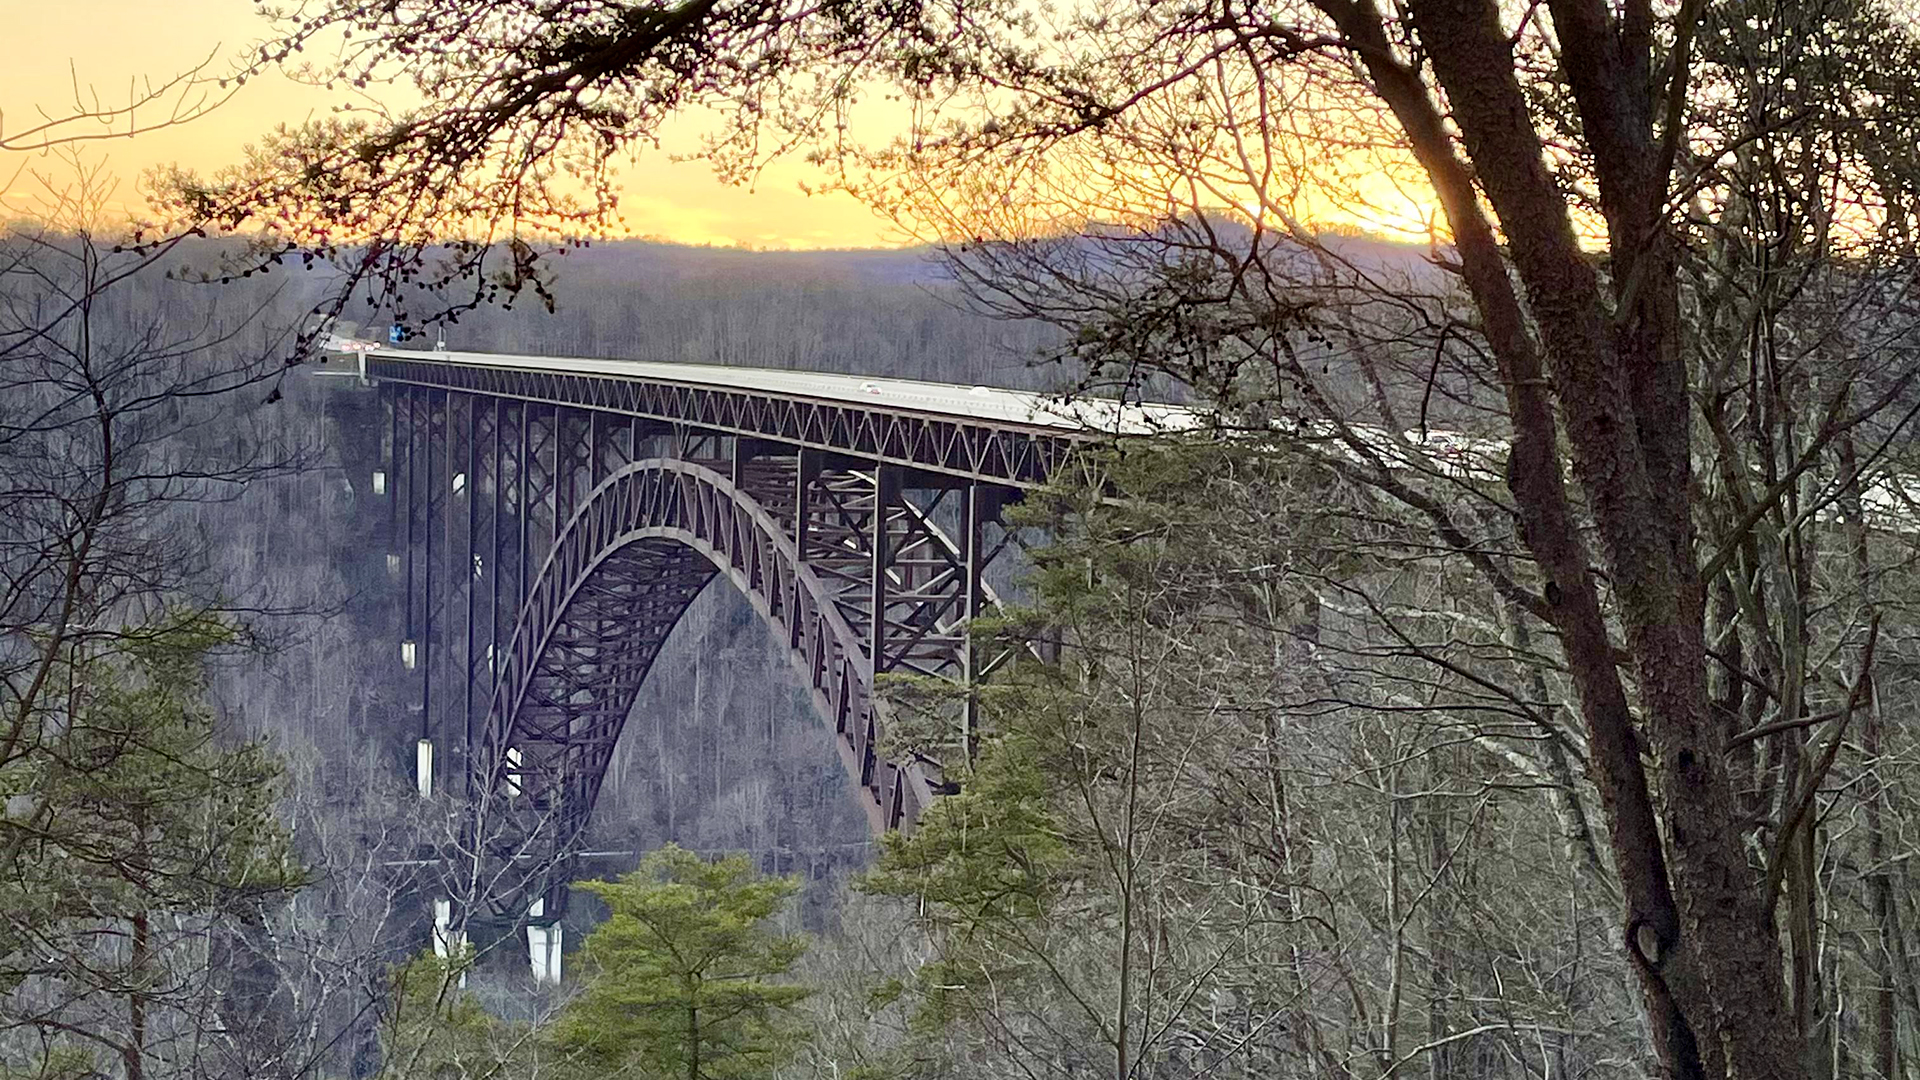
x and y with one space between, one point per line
552 519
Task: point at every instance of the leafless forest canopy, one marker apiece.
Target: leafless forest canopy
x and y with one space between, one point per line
1513 677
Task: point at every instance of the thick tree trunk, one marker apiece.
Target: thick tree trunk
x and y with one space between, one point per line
1621 390
1885 1023
1698 928
135 1055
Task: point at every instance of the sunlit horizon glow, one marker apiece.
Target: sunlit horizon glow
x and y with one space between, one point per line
105 49
70 56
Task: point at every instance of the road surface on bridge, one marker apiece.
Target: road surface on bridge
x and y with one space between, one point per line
1436 452
991 404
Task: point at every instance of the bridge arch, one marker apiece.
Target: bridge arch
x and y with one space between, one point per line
640 546
551 521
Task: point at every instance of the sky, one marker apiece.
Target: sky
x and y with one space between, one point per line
104 46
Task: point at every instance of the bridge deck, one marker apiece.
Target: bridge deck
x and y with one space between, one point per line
1051 413
977 433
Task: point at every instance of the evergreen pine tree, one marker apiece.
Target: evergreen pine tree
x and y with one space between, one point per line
685 979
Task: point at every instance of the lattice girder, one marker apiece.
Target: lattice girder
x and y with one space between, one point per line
551 549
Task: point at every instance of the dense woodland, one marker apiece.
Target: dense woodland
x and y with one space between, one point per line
277 540
1513 678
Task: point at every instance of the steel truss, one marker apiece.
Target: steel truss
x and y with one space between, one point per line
548 548
1017 455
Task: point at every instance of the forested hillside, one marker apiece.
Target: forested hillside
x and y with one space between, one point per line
877 313
1284 758
1510 672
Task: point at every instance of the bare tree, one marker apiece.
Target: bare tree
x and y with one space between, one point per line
1642 215
134 826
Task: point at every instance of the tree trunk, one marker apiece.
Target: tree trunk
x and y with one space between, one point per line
136 1051
693 1033
1885 1022
1440 931
1698 929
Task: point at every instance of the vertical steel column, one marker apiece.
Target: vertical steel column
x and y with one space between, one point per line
630 449
493 537
424 650
976 512
493 578
413 489
559 477
745 449
467 575
409 644
558 436
526 466
806 470
886 492
392 397
593 448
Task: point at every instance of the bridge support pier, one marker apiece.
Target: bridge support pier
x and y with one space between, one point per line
448 943
545 945
423 767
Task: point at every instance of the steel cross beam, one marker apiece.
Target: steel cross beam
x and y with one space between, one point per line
549 547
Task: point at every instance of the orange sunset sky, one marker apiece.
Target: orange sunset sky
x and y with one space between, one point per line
105 44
